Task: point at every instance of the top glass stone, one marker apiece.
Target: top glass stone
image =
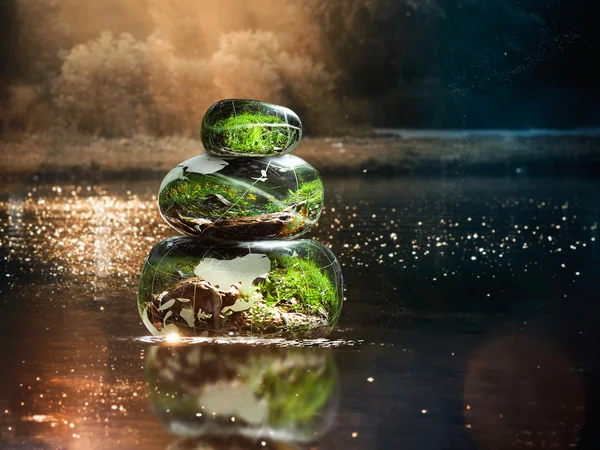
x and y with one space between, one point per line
250 128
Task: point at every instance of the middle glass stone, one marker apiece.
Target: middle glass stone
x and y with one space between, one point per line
242 198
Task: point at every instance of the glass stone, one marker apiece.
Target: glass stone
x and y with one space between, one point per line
242 198
290 289
283 394
250 128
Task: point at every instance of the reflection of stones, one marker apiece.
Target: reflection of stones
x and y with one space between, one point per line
229 443
223 394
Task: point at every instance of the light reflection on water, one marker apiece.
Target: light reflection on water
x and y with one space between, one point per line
253 342
440 275
456 228
77 231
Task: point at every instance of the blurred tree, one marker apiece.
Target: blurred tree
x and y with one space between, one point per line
194 27
254 65
245 66
28 66
8 32
103 86
181 88
8 11
117 86
392 62
42 34
45 28
354 44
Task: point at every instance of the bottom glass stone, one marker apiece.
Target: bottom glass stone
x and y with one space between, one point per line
237 392
262 288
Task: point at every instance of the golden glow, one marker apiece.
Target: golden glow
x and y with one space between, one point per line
172 338
40 418
81 231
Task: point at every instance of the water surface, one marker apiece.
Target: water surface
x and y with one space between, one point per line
471 316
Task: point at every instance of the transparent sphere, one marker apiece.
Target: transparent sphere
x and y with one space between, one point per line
242 198
238 127
289 289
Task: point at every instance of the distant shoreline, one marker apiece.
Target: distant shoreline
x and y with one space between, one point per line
406 133
407 152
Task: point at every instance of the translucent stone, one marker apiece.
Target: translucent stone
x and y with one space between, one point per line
215 393
255 288
242 198
250 128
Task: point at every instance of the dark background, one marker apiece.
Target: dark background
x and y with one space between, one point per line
392 63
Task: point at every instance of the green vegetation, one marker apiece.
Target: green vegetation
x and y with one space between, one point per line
298 402
169 271
298 297
309 196
212 199
250 133
300 286
296 384
275 320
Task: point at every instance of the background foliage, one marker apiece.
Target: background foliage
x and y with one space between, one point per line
117 68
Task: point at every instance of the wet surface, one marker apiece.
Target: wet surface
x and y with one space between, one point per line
471 320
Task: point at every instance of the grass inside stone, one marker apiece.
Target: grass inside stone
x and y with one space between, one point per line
211 199
296 298
310 194
250 133
300 286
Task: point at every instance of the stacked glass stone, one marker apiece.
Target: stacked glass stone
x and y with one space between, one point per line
238 272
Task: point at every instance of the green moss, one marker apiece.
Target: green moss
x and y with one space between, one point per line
300 401
299 285
276 320
211 199
309 196
251 133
